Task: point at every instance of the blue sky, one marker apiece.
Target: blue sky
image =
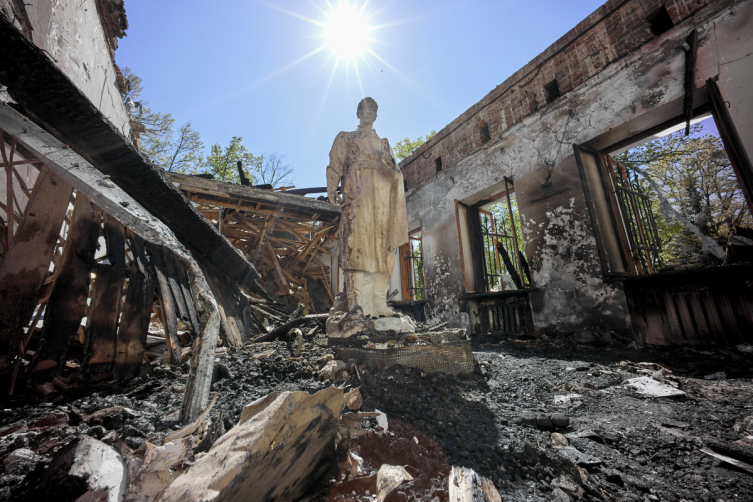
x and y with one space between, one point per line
238 67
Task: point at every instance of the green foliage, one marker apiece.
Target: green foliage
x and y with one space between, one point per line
405 147
180 151
223 162
502 225
696 177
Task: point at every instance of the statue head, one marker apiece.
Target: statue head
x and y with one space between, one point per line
367 111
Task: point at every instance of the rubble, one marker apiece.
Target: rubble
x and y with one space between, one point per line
294 430
614 440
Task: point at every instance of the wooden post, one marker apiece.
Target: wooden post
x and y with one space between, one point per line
168 307
101 327
196 393
25 267
134 323
68 300
406 274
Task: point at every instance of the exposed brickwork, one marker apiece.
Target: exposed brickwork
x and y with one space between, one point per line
614 30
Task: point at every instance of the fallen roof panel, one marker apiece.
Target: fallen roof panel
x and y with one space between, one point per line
51 99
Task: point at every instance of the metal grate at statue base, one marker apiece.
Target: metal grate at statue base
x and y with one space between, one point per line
435 352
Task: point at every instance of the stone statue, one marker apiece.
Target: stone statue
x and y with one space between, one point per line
373 223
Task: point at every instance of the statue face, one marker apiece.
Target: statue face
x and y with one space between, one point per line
367 115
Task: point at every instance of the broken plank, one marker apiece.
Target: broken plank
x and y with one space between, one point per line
729 460
326 282
170 274
196 391
170 320
25 267
227 305
70 291
276 264
186 290
102 324
134 322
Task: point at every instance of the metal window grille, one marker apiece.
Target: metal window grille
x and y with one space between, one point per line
500 245
415 263
637 217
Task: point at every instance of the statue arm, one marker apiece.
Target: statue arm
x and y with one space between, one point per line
336 167
388 158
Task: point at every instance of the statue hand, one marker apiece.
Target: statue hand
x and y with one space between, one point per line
335 199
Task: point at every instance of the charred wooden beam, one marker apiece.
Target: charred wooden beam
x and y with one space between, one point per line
134 323
68 300
87 180
169 318
102 325
48 95
224 190
25 267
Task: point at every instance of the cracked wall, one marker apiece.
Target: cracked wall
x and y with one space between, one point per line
616 79
71 33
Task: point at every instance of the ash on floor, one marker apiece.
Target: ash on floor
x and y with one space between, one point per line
544 419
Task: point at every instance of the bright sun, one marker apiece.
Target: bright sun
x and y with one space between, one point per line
346 31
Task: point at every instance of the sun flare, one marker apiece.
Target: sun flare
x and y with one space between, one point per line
346 31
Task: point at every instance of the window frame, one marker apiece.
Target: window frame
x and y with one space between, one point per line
407 257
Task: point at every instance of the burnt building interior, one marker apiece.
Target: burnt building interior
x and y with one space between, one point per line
579 333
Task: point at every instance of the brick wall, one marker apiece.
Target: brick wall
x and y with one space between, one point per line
612 31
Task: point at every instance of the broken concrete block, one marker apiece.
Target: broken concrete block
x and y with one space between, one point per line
86 470
332 370
162 465
353 466
390 477
272 454
650 387
353 400
382 420
558 439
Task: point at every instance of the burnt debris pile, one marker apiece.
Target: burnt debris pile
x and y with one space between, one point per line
536 420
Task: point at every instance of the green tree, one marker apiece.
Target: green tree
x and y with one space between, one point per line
175 151
222 163
405 147
695 176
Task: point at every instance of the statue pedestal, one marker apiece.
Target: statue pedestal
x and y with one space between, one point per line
342 325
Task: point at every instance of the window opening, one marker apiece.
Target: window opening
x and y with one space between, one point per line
412 268
505 265
485 134
680 199
660 21
438 163
552 91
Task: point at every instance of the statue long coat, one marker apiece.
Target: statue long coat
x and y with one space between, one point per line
373 221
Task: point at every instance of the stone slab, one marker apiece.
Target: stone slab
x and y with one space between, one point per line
650 387
345 325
